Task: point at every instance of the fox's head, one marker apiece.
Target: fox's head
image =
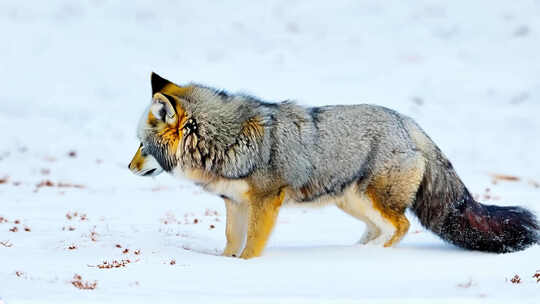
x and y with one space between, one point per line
197 127
161 128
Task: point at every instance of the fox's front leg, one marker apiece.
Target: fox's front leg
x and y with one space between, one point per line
235 231
262 214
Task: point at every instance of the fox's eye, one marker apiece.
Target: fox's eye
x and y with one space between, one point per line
144 149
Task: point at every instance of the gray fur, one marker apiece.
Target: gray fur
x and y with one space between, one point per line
320 151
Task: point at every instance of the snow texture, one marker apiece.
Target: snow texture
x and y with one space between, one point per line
75 79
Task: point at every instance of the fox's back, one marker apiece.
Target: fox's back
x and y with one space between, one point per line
340 144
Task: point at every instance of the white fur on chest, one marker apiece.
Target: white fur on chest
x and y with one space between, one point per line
230 188
233 189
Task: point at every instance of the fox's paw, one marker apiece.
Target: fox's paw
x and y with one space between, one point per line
368 236
248 254
379 241
229 252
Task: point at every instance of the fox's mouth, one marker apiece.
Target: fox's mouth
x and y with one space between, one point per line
149 172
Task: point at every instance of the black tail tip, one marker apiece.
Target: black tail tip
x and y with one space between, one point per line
511 229
494 229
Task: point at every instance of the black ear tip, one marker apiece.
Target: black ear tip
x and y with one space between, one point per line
154 77
158 82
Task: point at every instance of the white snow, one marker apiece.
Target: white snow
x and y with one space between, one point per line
75 77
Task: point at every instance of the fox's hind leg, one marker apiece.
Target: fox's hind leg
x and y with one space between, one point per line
393 223
371 232
391 192
358 206
236 227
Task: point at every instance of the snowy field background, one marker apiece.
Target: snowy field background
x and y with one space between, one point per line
75 79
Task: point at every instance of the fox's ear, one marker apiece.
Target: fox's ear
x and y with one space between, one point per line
163 109
158 83
162 85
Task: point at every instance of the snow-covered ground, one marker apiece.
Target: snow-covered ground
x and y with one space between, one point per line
75 78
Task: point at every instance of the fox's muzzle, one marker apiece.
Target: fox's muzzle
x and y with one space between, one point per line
144 164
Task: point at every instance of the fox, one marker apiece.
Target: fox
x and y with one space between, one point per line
370 161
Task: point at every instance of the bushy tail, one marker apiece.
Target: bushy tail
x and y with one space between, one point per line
445 206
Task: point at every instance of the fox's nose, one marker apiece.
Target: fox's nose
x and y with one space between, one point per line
129 166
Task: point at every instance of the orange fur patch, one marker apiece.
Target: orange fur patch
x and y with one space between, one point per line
170 134
253 127
263 212
174 90
398 220
137 161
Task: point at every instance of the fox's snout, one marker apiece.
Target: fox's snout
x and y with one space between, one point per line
144 165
